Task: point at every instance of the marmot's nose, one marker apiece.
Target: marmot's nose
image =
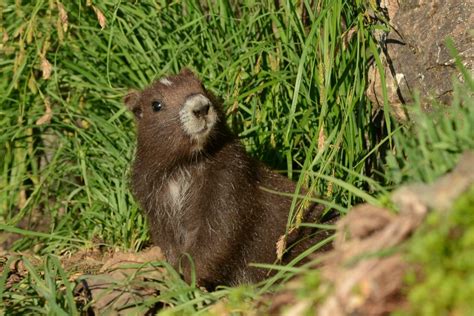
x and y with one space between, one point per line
197 105
200 109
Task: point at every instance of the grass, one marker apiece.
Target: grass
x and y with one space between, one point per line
291 77
433 142
294 92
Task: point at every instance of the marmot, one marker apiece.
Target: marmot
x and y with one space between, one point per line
204 196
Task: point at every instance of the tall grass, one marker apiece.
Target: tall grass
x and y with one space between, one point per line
291 79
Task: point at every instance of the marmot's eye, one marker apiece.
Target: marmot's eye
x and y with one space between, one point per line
156 106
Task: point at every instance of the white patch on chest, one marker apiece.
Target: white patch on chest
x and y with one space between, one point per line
178 192
174 189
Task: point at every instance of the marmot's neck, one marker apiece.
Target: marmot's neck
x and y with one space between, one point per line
159 159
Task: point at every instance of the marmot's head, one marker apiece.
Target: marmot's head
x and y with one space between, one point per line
176 115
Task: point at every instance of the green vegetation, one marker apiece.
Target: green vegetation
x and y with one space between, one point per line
444 248
292 81
439 139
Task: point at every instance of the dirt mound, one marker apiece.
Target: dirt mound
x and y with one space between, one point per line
123 283
108 283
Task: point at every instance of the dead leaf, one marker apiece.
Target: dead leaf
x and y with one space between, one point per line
347 37
46 68
46 118
100 17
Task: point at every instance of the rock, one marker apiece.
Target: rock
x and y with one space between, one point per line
416 58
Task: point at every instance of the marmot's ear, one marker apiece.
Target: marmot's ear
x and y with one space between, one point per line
131 102
187 72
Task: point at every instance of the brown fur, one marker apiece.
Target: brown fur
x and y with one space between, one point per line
225 220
